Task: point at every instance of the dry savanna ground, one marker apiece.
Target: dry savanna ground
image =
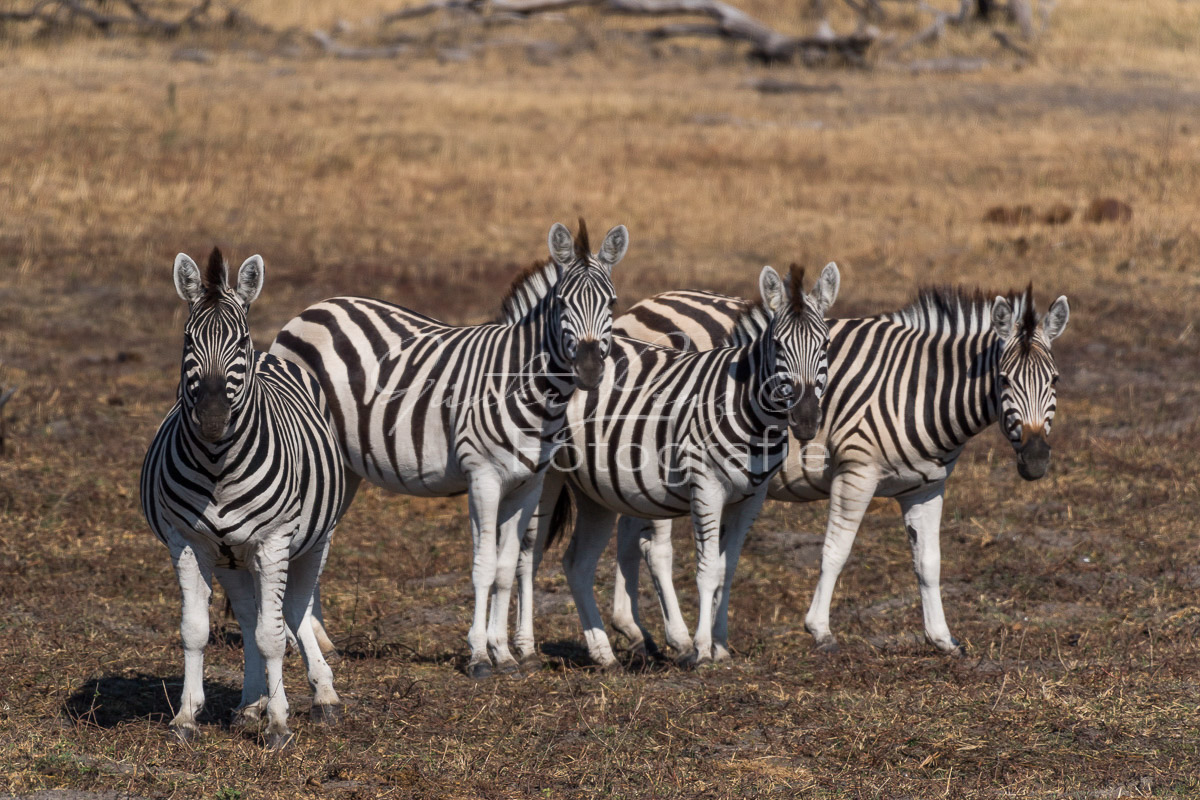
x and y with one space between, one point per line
430 182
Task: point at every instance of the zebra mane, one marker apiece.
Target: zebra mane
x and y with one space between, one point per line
754 319
951 309
527 290
213 280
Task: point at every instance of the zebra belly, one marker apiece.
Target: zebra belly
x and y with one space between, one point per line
805 480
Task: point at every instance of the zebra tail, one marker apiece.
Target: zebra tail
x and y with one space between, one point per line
562 517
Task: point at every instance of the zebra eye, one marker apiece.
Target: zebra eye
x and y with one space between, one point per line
1005 382
1054 381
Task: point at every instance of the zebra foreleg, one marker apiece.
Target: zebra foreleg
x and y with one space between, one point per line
737 520
195 583
850 494
593 528
303 572
625 591
707 509
922 522
239 586
483 500
533 545
516 513
271 570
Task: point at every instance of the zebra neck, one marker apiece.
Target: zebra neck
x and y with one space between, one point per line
547 371
980 407
753 368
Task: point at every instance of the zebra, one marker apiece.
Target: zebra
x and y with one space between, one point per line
430 409
668 433
907 390
243 480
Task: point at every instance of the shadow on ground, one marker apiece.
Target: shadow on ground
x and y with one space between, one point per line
108 701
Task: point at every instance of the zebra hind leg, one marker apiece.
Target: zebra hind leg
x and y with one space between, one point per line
922 522
239 586
626 619
593 528
297 604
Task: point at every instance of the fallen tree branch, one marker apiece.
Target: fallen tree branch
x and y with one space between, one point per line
349 52
65 12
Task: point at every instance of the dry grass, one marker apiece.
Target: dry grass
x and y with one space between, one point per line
429 184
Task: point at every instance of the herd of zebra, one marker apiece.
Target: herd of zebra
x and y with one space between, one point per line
690 403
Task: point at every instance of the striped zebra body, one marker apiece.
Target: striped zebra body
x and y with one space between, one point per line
429 409
907 390
669 433
244 480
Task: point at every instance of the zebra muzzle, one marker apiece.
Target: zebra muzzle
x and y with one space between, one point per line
1033 457
804 418
212 409
589 365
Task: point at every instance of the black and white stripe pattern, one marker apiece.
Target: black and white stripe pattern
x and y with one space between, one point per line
430 409
243 480
668 433
907 390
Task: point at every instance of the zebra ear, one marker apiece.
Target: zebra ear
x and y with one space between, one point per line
1002 318
187 279
616 244
773 294
1055 321
250 280
562 245
826 290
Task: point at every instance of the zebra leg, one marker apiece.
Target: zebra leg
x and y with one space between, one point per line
239 585
707 508
328 648
631 532
516 513
303 572
483 499
738 519
849 496
593 527
533 545
660 558
271 570
922 522
194 573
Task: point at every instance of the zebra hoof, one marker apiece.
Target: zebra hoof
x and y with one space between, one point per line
828 646
689 660
185 732
326 714
278 741
247 718
642 658
479 670
531 661
720 654
510 667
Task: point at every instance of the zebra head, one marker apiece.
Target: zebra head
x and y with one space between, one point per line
217 352
1026 376
795 376
581 327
